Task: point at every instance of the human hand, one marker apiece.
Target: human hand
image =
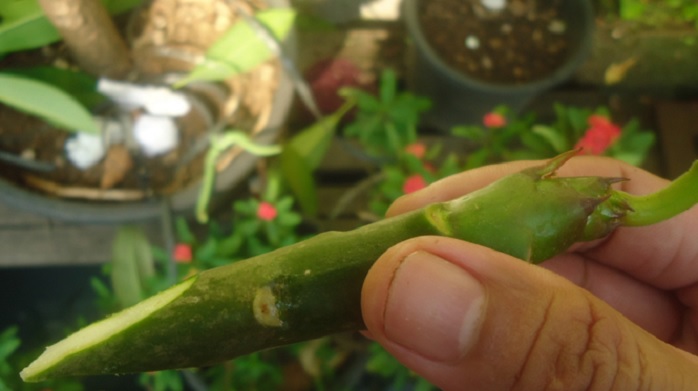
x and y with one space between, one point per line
615 314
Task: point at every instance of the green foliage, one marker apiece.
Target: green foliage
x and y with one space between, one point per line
162 381
408 170
132 266
23 25
79 85
250 235
219 144
384 364
660 12
256 371
45 101
11 362
527 138
8 344
56 96
303 154
385 124
241 48
493 144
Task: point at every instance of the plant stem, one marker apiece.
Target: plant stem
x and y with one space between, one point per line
680 195
90 34
313 288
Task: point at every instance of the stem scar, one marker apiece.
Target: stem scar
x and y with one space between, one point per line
265 309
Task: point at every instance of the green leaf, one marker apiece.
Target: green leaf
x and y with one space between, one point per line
8 342
473 133
116 7
556 140
23 26
220 143
183 231
299 177
132 265
47 102
241 49
631 9
388 86
80 85
312 143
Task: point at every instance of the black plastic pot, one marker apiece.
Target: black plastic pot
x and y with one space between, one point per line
461 99
183 201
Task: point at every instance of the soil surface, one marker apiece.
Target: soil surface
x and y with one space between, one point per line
165 37
523 42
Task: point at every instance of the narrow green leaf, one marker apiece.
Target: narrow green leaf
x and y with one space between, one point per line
388 86
241 49
132 265
23 25
183 232
80 85
556 140
47 102
299 177
312 143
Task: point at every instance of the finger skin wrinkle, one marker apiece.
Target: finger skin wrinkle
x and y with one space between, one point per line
606 356
520 382
583 351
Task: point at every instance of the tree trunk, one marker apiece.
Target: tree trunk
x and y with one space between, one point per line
91 37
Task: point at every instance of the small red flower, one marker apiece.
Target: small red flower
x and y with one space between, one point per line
182 253
416 149
266 211
602 133
494 120
413 183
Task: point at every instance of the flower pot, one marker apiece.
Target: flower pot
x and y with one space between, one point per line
183 199
463 97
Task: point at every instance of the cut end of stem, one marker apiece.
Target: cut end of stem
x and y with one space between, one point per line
43 367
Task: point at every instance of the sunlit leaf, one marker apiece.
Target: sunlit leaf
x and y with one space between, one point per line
46 102
23 24
241 48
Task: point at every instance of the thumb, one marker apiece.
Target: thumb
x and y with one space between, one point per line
468 318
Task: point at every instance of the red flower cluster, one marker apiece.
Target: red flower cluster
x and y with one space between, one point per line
494 120
182 253
416 182
413 183
602 133
418 150
266 211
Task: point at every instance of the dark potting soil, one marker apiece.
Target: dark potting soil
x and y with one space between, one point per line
523 42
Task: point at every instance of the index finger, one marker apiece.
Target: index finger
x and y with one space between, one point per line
663 254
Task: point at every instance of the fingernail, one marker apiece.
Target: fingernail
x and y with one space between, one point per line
434 307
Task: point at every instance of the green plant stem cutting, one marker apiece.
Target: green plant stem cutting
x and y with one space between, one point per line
312 288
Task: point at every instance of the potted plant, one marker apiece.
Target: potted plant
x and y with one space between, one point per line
269 219
165 42
470 56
